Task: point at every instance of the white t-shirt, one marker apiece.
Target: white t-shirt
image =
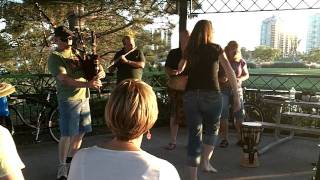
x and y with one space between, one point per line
104 164
10 161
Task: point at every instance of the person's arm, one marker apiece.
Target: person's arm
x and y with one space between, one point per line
182 65
136 64
245 73
232 80
170 71
13 176
68 81
58 70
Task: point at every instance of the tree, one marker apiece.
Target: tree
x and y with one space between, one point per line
265 54
312 56
109 19
246 54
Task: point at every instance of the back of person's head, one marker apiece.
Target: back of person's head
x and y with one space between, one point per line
63 33
202 34
131 109
233 51
127 38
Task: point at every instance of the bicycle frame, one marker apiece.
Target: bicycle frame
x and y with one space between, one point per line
42 113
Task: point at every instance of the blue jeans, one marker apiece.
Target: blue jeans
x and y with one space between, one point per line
202 109
75 117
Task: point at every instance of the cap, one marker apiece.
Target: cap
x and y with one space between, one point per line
62 32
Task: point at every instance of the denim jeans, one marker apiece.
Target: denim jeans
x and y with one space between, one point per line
202 109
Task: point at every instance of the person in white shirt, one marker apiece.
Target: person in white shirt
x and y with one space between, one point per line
131 112
10 162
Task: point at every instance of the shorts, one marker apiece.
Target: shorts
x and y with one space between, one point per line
176 106
227 102
75 117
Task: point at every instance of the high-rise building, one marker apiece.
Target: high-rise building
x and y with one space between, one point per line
271 32
289 44
274 36
313 36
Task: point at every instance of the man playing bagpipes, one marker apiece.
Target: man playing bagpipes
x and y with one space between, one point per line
129 61
73 96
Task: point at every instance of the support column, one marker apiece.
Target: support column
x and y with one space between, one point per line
182 4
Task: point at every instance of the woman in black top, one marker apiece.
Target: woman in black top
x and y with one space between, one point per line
202 99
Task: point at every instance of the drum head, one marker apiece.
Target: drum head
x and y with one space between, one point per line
253 124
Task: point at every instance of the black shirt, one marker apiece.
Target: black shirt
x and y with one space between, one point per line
126 71
173 58
203 73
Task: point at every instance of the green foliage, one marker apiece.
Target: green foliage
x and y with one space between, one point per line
109 19
312 56
265 54
246 54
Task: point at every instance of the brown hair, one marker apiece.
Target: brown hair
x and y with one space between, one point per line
232 45
131 109
202 34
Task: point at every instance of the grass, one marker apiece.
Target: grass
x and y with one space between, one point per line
285 71
287 79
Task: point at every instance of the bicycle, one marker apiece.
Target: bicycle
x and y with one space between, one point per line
41 108
253 112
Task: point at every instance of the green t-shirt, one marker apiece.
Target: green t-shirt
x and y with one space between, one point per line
65 62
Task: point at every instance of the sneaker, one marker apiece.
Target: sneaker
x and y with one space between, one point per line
224 143
62 172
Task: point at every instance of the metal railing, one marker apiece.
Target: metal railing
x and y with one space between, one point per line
231 6
280 82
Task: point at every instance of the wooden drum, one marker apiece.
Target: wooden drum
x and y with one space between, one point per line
250 137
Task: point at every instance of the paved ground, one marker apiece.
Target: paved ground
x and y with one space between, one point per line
289 161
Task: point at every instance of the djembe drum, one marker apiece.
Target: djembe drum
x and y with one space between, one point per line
250 136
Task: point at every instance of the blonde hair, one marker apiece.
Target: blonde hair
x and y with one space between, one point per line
232 45
202 34
131 109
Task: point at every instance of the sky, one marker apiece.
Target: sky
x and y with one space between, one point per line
245 27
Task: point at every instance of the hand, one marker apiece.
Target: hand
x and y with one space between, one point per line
100 75
124 59
174 72
94 83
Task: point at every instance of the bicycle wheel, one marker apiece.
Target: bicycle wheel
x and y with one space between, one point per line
53 125
253 113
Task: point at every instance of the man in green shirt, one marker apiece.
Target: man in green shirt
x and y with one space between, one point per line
73 97
129 61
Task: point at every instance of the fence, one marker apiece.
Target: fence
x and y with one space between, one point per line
261 83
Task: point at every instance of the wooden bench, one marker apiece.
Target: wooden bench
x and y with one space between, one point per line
302 115
278 125
291 128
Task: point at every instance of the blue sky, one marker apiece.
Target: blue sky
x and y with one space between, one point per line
245 27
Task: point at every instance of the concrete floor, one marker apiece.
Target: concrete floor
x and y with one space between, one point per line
289 161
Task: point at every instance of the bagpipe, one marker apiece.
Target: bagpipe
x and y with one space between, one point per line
89 62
